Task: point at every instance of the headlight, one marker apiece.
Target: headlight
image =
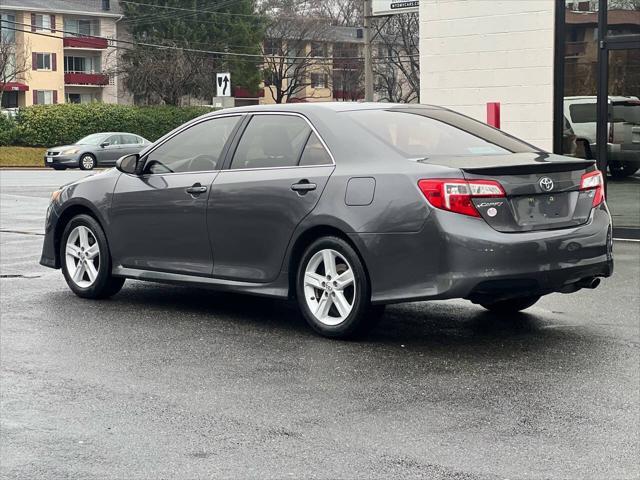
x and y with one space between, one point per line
55 195
71 151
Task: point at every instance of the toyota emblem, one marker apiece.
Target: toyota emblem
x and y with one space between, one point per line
546 184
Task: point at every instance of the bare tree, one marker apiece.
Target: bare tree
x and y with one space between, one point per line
167 75
397 66
14 65
295 48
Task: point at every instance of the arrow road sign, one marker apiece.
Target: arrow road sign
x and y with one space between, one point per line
223 82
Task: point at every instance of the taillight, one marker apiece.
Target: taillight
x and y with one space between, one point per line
594 181
455 195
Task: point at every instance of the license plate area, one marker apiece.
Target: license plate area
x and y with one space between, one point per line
543 209
49 159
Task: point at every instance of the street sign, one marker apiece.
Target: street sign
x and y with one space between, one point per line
393 7
223 84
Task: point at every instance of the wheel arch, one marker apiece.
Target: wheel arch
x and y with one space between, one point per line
306 238
65 217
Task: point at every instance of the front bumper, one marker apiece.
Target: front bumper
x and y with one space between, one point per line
455 256
61 161
49 258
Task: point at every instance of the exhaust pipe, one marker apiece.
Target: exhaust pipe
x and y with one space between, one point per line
591 283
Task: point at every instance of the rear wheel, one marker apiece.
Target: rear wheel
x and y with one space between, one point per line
512 305
85 258
621 169
333 290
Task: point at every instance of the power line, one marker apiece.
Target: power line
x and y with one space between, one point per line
259 56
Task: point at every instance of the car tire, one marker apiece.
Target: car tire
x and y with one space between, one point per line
335 301
621 170
513 305
85 266
88 162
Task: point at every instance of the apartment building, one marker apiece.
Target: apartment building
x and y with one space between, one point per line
62 52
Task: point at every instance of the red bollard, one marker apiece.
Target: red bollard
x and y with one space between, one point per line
493 114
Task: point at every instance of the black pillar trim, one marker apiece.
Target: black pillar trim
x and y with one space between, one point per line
602 112
558 76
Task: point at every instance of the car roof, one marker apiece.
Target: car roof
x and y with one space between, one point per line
613 98
319 107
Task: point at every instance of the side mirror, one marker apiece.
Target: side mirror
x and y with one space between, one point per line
128 163
104 144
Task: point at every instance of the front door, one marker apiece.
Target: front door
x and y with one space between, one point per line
158 218
276 176
109 153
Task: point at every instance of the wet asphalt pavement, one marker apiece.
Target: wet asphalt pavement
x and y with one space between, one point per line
172 382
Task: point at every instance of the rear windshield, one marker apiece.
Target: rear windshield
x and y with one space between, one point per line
628 112
426 133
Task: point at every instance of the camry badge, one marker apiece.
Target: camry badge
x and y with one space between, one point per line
546 184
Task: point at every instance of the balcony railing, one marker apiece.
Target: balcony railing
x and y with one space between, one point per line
85 42
85 78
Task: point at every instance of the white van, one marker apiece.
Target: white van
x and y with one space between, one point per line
623 145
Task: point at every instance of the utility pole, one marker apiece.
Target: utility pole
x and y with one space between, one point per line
368 65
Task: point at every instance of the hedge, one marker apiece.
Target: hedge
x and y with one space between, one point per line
48 125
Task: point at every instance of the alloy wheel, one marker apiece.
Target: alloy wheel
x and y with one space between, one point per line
82 256
329 287
88 162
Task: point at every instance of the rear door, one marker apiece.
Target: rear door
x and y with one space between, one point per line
158 218
275 177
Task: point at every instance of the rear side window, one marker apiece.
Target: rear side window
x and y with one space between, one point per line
129 139
583 113
426 133
314 152
195 149
271 141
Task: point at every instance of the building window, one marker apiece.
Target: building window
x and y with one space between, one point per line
271 79
271 47
42 22
319 80
318 49
80 98
82 27
7 26
81 64
43 61
44 97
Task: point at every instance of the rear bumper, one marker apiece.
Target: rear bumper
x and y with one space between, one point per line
456 256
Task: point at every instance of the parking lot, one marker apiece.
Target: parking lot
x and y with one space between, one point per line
164 381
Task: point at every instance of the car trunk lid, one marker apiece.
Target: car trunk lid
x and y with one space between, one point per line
542 190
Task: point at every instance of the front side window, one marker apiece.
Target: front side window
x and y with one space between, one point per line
196 149
271 141
427 133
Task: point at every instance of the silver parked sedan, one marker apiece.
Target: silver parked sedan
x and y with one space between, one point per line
95 150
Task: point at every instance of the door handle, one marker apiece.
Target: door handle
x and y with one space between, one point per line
196 189
303 186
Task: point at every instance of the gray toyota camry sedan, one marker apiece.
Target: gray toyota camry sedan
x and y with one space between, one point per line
343 207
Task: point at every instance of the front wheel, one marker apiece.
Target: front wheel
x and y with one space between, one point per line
513 305
333 291
88 162
85 258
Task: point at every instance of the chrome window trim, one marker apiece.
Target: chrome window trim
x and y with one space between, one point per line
313 129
